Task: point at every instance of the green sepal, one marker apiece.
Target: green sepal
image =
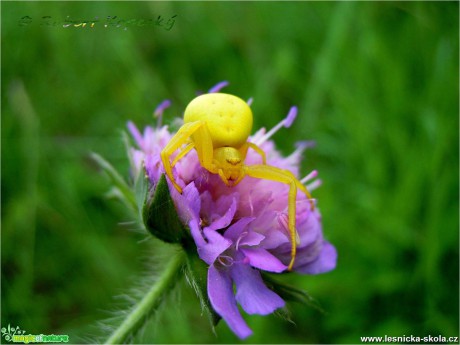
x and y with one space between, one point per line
160 216
121 190
141 187
197 276
290 293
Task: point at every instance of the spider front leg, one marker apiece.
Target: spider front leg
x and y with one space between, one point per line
247 145
269 172
201 141
181 137
184 151
204 147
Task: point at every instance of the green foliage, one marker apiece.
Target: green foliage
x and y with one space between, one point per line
377 88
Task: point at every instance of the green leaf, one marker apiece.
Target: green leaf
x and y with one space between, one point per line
290 293
197 275
160 216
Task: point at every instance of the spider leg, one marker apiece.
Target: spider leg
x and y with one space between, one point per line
184 151
180 138
247 145
204 147
269 172
239 179
223 177
306 192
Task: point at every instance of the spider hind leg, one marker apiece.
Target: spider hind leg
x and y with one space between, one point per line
268 172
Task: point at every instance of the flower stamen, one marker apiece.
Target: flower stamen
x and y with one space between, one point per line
158 113
310 176
239 239
314 185
251 206
283 221
286 122
218 86
225 260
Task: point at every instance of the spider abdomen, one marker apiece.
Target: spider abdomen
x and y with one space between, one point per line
228 118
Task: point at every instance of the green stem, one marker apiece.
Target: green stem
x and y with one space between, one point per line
141 312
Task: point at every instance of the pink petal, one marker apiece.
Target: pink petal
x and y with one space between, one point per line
234 231
188 203
223 221
152 163
216 245
274 239
309 228
220 291
251 239
251 292
210 243
325 262
195 231
261 258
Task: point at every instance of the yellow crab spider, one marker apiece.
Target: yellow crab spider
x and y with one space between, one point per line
217 126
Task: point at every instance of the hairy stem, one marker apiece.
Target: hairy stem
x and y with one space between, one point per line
141 312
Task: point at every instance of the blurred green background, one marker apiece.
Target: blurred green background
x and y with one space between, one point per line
377 88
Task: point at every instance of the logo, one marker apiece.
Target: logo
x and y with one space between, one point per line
9 332
17 335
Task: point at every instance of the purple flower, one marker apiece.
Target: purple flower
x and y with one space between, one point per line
242 230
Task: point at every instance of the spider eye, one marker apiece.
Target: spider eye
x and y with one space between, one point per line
233 160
